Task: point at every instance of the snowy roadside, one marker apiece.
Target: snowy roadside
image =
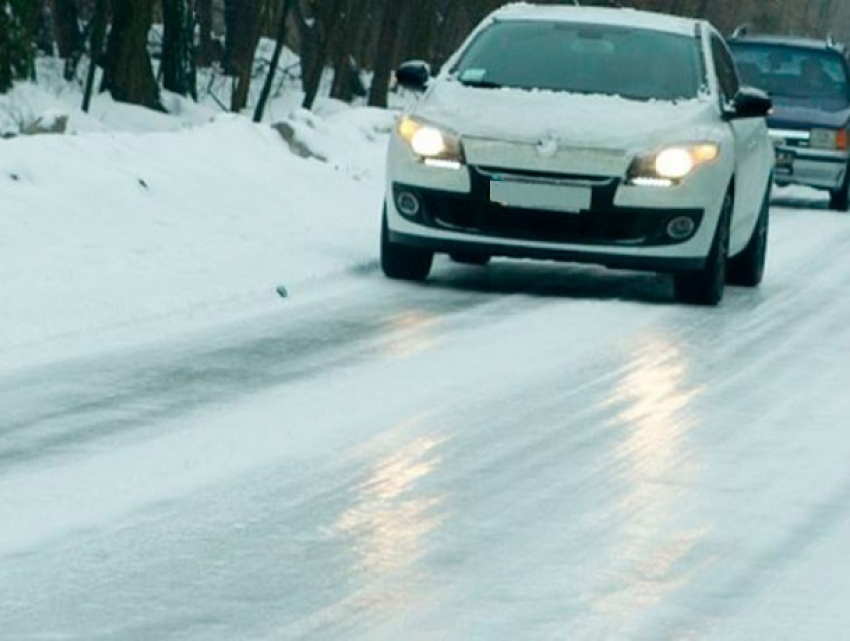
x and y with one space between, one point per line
123 234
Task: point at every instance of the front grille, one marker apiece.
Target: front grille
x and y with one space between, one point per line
602 224
798 139
623 226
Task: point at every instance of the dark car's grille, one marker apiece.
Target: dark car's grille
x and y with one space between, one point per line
797 143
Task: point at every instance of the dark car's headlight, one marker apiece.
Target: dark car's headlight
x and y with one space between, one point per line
434 145
831 139
669 166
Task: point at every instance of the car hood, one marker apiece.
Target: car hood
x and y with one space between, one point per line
795 114
590 121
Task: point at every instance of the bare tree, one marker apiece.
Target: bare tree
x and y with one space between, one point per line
178 56
204 10
242 18
385 56
97 27
16 59
69 37
128 74
278 49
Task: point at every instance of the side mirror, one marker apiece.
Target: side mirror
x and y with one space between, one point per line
750 103
413 75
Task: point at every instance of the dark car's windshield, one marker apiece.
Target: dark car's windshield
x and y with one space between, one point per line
584 58
802 75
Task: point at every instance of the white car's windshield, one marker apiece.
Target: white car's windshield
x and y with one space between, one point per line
584 58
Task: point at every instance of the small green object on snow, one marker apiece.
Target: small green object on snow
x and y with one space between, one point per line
282 291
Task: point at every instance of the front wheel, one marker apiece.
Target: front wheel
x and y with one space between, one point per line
706 286
839 199
400 262
747 268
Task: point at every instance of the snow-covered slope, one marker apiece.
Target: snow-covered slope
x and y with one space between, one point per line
111 231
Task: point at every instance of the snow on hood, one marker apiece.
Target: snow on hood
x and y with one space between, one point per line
583 120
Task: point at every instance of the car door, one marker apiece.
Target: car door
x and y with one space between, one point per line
753 154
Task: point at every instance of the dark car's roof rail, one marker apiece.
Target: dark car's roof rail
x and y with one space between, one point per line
829 42
741 30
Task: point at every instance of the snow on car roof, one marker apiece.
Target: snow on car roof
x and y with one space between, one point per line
599 15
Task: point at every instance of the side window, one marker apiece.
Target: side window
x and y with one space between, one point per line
727 75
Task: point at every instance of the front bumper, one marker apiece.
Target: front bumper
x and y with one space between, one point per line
624 226
603 223
798 164
484 247
820 169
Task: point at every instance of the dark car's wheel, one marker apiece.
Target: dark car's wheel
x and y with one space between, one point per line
470 259
747 268
706 286
400 262
840 198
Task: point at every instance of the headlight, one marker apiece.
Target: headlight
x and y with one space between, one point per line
671 165
435 146
829 139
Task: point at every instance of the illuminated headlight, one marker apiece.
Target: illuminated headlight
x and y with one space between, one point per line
829 139
674 164
670 165
435 146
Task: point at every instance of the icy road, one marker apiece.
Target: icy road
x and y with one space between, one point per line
526 451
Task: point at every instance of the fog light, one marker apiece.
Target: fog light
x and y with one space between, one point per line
681 227
407 203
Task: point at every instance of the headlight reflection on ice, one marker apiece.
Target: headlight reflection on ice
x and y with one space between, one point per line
654 534
389 517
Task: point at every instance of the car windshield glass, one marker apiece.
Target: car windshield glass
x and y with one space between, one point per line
803 75
583 58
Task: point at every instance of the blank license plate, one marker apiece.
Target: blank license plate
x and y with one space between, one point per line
784 162
567 198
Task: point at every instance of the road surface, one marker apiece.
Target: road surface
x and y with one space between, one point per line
527 450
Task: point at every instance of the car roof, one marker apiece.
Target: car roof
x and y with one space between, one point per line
788 41
600 15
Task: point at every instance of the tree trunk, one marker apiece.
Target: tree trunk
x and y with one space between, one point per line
7 74
308 50
204 10
242 18
128 74
278 50
385 56
178 59
16 51
69 37
98 35
42 26
327 19
346 83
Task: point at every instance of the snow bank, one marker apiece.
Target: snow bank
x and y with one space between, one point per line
119 232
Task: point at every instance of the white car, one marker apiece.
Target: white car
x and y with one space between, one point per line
608 136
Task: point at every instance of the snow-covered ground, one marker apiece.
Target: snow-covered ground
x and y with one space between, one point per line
139 223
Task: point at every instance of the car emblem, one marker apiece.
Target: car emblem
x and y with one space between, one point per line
548 145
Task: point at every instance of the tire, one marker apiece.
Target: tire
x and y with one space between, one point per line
706 286
400 262
470 259
747 268
839 199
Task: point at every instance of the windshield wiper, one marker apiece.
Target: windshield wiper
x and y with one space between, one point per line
480 84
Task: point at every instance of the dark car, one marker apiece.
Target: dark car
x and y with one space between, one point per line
808 81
